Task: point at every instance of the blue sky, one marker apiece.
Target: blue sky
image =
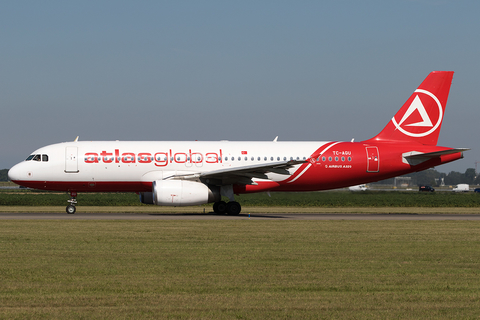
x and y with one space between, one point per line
234 70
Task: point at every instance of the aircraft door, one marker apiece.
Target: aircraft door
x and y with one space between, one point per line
71 159
373 160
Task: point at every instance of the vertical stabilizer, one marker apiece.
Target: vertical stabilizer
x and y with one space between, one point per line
420 118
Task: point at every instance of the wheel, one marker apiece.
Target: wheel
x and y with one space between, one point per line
233 208
220 207
71 209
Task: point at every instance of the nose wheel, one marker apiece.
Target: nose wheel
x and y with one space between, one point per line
71 209
73 201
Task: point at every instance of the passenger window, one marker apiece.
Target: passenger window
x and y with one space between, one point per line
323 159
233 158
239 158
246 159
336 158
349 158
44 157
265 158
258 158
329 158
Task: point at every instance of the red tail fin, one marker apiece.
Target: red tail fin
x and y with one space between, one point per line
420 118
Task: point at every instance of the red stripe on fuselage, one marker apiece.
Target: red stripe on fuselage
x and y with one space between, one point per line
314 155
89 186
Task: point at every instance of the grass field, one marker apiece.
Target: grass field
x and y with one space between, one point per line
239 269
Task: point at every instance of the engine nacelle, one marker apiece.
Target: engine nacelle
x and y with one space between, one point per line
183 193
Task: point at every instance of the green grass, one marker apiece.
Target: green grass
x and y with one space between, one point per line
330 199
239 269
363 199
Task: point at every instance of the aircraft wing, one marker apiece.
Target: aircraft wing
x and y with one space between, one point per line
241 175
415 157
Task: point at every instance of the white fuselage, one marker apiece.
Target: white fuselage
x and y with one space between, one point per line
146 161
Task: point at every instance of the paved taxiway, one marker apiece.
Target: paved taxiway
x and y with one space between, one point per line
256 216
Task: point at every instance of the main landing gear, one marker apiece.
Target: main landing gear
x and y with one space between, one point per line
73 201
230 208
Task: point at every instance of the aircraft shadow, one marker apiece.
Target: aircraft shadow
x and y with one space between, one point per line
213 214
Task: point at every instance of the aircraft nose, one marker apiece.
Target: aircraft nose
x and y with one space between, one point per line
15 173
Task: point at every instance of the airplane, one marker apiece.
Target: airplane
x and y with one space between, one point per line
358 187
185 173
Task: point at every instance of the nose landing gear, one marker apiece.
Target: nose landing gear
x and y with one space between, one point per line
73 201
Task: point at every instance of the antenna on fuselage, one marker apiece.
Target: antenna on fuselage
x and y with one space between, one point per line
76 139
276 138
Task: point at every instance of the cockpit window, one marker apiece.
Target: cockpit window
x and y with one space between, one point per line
37 157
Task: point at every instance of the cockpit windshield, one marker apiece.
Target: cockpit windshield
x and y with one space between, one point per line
37 157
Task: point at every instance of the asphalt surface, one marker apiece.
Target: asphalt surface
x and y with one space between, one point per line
256 216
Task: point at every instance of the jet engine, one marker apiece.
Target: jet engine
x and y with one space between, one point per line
180 193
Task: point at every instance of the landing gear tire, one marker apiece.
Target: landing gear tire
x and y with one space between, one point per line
220 207
233 208
73 200
71 209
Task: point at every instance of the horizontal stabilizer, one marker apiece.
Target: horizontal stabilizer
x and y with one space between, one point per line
415 157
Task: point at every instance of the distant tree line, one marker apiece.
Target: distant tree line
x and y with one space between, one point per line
434 178
3 175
